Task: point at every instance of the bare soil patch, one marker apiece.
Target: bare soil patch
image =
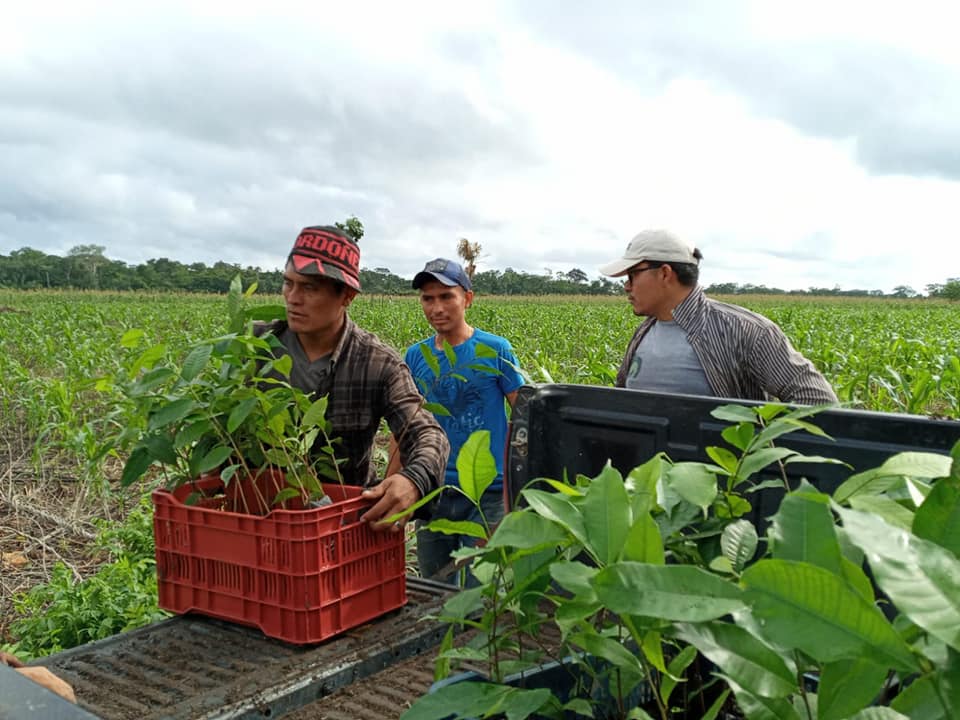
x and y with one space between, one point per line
46 516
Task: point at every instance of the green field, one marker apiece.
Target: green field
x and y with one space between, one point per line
61 349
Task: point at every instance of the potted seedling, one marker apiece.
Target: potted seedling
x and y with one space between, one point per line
252 520
221 418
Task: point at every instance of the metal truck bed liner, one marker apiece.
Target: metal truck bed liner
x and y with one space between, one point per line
196 667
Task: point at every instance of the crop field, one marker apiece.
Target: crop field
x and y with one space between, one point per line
61 351
66 577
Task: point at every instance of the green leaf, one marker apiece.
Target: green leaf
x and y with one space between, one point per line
316 414
283 365
609 649
927 698
240 413
714 710
171 413
131 338
484 351
476 466
575 577
559 509
805 607
450 354
526 530
679 593
641 484
694 483
922 578
267 312
462 605
739 543
883 713
189 434
757 707
161 448
456 527
606 515
484 369
643 543
196 361
436 409
742 657
759 459
148 358
677 667
908 464
152 380
136 466
478 699
734 413
803 530
917 464
724 458
884 507
848 686
938 518
739 435
214 459
428 357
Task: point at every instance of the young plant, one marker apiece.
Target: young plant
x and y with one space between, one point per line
223 409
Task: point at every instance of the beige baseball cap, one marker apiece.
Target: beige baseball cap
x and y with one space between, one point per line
657 245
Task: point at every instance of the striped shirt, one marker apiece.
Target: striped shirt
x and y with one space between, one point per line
744 355
367 382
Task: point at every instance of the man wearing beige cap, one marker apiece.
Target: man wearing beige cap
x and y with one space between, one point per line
691 344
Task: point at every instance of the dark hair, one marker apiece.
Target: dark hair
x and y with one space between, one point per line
687 273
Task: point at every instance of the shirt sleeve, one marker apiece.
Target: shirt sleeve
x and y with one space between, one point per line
785 373
424 447
510 378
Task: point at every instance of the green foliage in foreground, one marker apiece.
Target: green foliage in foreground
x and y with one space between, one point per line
643 574
121 595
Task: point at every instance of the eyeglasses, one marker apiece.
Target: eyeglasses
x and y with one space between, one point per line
633 272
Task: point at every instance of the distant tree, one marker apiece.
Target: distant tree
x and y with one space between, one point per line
904 291
352 227
728 288
951 289
576 275
83 263
469 252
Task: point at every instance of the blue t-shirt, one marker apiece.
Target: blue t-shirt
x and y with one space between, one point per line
474 400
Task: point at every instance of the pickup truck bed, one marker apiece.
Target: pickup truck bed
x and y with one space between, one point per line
196 667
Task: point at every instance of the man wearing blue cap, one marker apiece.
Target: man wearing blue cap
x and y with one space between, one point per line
473 397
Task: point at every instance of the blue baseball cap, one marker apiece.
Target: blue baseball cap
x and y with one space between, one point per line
448 272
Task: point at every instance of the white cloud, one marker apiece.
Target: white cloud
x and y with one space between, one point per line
797 145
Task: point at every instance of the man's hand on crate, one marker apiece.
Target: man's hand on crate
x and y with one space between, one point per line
394 495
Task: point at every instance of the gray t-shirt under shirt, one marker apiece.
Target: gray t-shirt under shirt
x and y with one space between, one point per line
304 374
665 362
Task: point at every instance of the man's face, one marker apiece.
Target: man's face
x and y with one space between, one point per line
444 306
645 287
314 303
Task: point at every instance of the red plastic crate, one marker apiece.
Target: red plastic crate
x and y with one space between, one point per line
299 575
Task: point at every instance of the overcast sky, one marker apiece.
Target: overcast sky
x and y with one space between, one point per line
797 144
